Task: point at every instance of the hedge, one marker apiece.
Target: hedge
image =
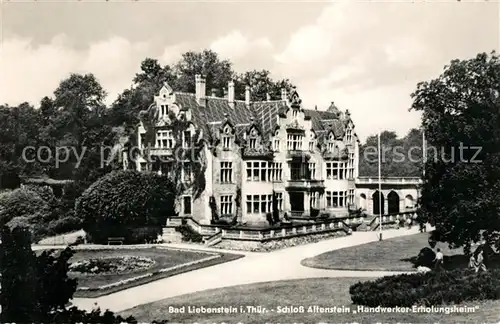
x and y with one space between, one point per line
431 288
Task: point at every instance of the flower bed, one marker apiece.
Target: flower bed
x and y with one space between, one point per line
432 288
110 265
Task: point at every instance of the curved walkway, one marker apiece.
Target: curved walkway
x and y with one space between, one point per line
255 267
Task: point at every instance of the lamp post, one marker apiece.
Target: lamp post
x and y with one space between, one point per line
379 190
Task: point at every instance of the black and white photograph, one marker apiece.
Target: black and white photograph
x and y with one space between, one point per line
249 162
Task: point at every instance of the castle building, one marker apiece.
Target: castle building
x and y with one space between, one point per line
257 156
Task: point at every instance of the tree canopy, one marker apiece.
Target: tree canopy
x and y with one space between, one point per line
461 119
400 157
124 200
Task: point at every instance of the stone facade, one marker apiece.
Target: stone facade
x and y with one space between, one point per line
260 154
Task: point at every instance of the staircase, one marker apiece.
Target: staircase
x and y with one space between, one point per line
214 239
170 235
370 223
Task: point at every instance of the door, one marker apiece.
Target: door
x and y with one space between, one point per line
297 201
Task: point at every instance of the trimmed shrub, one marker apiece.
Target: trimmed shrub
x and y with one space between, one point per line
431 288
425 258
123 200
22 203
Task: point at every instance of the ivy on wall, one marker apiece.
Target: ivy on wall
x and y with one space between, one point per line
194 156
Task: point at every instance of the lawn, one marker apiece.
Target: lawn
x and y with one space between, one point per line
323 292
164 258
392 255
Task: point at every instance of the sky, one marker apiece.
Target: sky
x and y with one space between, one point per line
367 57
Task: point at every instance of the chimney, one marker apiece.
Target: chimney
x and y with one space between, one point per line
247 95
268 97
213 93
230 94
284 95
200 89
316 107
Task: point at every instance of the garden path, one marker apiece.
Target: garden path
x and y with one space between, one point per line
255 267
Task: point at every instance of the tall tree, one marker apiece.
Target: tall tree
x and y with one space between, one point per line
217 72
400 157
461 119
261 84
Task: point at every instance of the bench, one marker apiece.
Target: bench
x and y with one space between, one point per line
115 240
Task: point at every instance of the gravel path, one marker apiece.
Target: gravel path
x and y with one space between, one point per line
253 268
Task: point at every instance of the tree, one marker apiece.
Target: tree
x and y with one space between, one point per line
36 289
261 84
23 203
122 201
460 192
217 72
400 157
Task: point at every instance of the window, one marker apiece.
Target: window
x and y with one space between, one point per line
186 202
276 145
187 139
295 171
256 171
294 142
186 172
336 199
348 136
312 171
331 147
257 204
295 113
342 170
275 171
314 200
226 172
350 166
350 199
332 170
226 142
143 166
163 110
279 200
253 143
143 139
311 146
226 205
165 139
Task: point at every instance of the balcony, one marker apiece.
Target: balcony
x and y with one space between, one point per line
298 155
305 184
262 152
160 151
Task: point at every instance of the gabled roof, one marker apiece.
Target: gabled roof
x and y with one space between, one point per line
263 114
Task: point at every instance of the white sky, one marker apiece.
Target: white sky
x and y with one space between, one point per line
365 56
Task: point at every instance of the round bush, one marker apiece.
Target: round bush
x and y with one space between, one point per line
124 200
22 203
425 258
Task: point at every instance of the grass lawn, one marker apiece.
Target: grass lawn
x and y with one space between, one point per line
394 254
323 292
164 258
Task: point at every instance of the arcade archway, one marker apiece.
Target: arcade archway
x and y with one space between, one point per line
378 203
393 202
